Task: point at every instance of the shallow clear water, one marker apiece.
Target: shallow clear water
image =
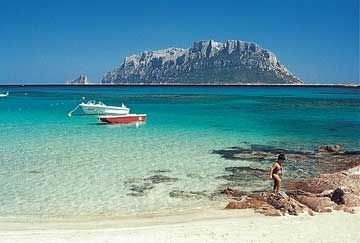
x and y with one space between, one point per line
53 165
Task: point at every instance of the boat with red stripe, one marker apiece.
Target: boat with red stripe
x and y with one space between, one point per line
123 119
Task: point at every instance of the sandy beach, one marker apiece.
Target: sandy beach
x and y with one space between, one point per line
206 226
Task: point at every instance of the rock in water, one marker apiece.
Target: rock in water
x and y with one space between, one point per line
330 148
206 62
80 80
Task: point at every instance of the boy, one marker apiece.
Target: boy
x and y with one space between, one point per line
275 170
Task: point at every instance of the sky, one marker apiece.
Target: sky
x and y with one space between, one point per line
54 41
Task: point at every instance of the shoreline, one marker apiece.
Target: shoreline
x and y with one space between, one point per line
182 85
204 226
197 225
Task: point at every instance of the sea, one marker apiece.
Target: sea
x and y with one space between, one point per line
56 166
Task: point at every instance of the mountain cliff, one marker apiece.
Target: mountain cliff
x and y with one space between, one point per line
206 62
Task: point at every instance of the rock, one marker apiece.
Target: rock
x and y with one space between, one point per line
338 196
140 189
344 208
34 171
326 193
80 80
351 200
161 171
235 193
259 206
187 195
300 161
245 203
268 210
156 179
269 204
329 148
349 210
324 182
318 204
238 173
286 205
207 62
339 190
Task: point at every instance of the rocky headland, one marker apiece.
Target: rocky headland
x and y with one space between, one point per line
205 62
338 189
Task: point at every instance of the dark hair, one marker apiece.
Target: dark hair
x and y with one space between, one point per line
281 157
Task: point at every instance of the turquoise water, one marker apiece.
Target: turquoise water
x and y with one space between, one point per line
56 166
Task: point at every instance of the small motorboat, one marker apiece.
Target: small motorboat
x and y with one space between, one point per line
99 108
4 94
123 119
93 108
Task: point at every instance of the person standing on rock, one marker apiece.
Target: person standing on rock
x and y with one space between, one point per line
275 172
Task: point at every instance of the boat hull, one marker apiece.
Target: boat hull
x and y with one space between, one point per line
102 110
4 95
123 119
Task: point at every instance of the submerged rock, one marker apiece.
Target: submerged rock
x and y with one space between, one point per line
156 179
239 173
140 186
299 164
345 179
34 172
233 192
140 189
161 171
329 148
187 195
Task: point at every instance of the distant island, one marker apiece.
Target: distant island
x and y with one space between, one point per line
80 80
206 62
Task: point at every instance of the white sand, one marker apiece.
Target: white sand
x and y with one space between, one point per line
206 226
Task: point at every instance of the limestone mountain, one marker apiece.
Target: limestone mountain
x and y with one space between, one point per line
206 62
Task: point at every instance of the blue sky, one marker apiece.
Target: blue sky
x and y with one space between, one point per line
54 41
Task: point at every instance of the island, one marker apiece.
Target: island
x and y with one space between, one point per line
206 62
83 79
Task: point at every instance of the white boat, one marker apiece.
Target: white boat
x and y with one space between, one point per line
5 94
99 108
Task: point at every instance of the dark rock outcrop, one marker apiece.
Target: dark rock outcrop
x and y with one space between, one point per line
337 196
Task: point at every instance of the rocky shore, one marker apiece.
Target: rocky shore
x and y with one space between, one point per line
338 189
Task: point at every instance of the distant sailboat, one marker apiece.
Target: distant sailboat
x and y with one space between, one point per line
4 94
